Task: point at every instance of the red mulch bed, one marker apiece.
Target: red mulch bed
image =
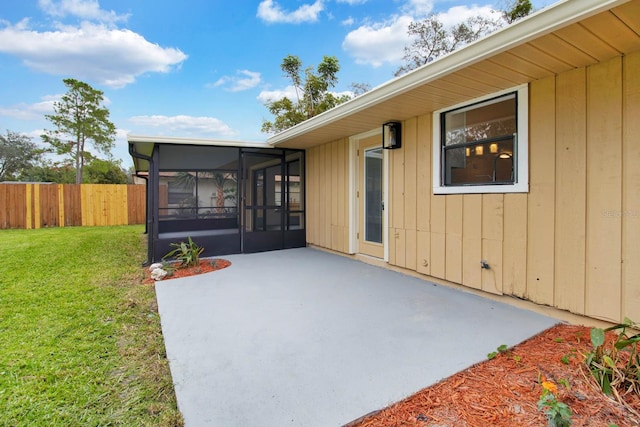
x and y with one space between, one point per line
206 266
504 391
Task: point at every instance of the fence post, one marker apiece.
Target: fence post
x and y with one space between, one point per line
60 205
29 207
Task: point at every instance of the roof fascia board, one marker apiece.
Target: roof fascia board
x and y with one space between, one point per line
542 22
195 141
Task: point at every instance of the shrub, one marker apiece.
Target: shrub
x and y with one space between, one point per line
187 254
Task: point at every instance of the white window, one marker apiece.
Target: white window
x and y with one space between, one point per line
482 146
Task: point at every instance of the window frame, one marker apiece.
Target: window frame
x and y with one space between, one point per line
521 148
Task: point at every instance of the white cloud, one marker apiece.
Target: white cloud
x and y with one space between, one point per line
378 43
289 92
83 9
271 12
345 92
181 125
348 22
24 111
112 57
418 8
274 95
458 14
243 80
383 42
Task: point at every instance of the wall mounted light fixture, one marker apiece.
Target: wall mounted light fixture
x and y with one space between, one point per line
391 135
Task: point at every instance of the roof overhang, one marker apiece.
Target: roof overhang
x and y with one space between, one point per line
141 146
564 36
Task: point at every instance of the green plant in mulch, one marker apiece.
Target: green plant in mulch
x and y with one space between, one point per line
616 366
187 254
503 349
558 413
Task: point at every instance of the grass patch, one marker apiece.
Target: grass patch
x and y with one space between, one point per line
81 338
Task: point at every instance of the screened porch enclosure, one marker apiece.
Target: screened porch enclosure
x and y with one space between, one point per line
227 199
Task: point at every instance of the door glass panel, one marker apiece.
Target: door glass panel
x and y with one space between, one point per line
293 190
273 186
258 190
373 195
295 221
264 194
273 219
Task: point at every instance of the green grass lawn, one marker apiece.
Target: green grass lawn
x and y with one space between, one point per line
80 337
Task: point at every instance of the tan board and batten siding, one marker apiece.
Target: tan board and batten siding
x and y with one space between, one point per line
572 241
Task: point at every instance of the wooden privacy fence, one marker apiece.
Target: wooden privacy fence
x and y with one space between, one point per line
59 205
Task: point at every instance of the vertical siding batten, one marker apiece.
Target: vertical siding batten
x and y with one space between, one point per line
326 191
410 136
438 236
631 188
514 273
604 194
423 194
570 154
472 240
314 194
453 240
492 236
333 190
541 203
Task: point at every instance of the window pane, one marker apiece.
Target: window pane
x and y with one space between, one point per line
487 120
182 199
218 192
293 189
373 195
481 163
198 194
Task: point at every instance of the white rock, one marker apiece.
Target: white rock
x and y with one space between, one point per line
155 266
158 274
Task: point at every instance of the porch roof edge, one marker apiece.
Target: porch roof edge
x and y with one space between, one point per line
143 146
196 141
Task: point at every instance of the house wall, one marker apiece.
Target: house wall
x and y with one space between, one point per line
572 241
327 195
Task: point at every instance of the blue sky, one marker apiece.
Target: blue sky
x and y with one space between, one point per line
198 68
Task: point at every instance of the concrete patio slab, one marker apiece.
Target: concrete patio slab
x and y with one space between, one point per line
302 337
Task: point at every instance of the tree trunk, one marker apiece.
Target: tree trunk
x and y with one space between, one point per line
220 199
79 159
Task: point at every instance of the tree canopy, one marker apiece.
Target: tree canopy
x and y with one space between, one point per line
431 39
97 171
100 171
17 153
79 118
48 171
313 96
516 9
